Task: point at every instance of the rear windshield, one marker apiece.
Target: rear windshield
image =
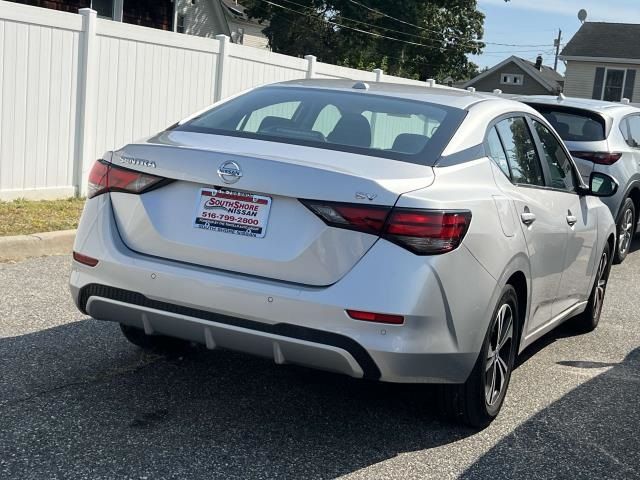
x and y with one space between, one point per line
362 123
574 125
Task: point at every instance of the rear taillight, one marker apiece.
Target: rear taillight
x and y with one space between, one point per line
423 232
601 158
105 177
427 232
352 216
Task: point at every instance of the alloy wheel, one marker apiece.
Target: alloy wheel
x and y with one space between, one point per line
626 232
498 355
601 285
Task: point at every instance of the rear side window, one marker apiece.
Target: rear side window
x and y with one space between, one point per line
496 152
521 152
560 169
573 124
365 123
631 131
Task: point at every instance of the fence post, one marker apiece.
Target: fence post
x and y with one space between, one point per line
222 60
311 67
86 93
379 72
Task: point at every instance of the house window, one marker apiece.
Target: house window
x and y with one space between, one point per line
511 79
103 7
613 85
180 24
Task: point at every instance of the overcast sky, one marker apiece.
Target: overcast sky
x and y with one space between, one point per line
536 22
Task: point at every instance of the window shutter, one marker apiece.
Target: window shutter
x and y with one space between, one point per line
630 85
597 84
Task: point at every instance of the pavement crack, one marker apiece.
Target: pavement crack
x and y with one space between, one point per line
86 381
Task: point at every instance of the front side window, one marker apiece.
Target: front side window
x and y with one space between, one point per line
369 124
521 152
560 169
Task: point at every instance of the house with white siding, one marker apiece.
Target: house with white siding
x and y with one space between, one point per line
204 18
602 62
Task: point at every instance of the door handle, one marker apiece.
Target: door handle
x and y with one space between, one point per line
528 218
571 220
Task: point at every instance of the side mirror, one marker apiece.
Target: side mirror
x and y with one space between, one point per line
602 185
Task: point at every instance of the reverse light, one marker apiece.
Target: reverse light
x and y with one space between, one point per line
106 177
421 231
601 158
85 259
376 317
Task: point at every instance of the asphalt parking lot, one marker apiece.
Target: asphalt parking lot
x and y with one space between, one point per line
77 401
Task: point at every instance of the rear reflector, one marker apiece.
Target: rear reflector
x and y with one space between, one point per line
85 260
423 232
106 177
601 158
376 317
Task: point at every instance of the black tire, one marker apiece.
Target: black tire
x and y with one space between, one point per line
626 229
478 401
588 320
153 343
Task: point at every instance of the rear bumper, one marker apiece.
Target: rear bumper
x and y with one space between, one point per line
445 321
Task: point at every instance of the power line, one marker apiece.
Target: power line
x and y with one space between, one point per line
366 32
434 31
357 21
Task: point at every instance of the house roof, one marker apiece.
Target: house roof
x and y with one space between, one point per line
547 76
607 40
238 11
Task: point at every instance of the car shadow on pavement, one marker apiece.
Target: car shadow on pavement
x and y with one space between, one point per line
591 432
78 401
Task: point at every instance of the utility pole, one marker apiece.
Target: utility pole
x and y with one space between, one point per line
557 45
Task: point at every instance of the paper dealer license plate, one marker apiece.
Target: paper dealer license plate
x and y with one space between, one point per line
227 211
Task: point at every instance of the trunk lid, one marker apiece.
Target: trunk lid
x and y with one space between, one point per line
297 246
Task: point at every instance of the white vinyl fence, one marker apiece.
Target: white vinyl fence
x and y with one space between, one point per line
73 86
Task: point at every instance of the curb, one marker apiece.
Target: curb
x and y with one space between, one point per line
21 247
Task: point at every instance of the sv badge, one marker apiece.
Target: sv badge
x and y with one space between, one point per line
366 196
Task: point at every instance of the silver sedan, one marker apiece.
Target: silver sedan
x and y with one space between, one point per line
382 231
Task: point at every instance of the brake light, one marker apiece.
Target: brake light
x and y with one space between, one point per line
427 232
106 177
376 317
601 158
423 232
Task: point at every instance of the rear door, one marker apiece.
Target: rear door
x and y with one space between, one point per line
581 223
512 146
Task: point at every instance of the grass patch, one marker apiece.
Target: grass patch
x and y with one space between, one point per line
23 217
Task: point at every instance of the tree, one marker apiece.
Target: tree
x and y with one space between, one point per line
411 38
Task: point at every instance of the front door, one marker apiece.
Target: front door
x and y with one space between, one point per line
580 222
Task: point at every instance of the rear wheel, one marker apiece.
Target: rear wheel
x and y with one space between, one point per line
478 401
626 229
153 343
588 320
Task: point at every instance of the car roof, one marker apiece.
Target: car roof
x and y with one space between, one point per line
598 106
438 94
